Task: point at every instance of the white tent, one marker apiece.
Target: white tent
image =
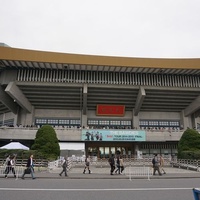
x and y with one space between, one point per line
71 146
15 145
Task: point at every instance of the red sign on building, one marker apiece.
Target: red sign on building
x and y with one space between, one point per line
110 110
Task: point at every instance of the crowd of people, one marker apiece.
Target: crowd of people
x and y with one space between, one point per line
152 129
10 163
116 163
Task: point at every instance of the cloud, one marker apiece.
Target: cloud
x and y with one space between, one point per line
130 28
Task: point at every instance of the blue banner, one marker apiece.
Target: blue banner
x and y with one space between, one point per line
112 135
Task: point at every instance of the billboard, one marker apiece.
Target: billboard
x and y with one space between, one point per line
113 135
110 110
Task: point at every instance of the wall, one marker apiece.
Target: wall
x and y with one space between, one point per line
57 113
160 115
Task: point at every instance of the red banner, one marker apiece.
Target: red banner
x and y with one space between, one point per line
110 110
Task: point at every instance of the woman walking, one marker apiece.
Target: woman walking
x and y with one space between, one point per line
87 165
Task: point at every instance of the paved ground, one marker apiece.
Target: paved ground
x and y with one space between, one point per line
99 172
104 173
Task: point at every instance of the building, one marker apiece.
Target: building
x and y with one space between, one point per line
139 105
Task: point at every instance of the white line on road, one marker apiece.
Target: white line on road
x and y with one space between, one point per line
91 189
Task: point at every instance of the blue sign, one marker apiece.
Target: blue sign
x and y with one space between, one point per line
112 135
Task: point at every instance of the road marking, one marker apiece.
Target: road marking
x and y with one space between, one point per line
91 189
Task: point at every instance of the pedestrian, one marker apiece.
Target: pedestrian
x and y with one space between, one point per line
156 165
111 161
29 167
10 166
162 164
7 164
13 162
117 163
64 166
121 162
87 165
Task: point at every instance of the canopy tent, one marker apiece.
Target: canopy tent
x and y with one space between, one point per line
71 146
14 145
72 149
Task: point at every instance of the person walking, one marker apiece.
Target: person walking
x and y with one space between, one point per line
13 162
111 161
30 167
121 162
64 166
117 165
87 165
156 165
162 164
10 166
7 164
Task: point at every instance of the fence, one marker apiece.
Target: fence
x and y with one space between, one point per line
19 170
186 164
58 163
138 172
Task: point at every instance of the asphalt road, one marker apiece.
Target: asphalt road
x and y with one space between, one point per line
98 189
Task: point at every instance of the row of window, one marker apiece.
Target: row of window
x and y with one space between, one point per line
159 123
74 122
92 122
8 122
99 122
159 146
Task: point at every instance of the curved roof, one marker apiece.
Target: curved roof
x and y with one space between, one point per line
156 98
13 57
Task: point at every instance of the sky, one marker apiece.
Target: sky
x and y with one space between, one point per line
125 28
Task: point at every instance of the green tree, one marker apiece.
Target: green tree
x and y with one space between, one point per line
189 145
46 142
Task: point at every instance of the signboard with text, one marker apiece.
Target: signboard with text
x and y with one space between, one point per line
112 135
110 110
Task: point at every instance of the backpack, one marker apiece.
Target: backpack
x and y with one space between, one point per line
153 161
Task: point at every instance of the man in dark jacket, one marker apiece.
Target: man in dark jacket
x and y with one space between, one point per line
112 164
156 165
29 167
64 166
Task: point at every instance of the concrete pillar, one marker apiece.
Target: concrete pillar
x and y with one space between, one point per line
26 118
84 121
185 122
135 120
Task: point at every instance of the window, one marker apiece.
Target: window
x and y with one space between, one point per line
63 121
126 123
153 123
103 122
114 122
93 122
75 122
163 123
175 123
40 121
52 121
57 122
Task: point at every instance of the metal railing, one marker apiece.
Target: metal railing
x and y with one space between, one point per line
186 164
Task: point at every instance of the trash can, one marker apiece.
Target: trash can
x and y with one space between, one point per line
196 193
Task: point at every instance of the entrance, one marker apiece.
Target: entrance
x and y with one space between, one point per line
105 150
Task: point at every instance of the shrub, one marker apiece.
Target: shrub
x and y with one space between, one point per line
189 145
46 142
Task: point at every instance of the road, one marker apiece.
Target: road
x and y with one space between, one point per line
98 189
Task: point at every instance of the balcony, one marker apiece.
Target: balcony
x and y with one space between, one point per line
74 134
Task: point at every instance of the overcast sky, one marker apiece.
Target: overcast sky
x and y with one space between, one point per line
128 28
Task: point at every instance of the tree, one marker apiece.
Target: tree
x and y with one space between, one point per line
189 145
46 142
